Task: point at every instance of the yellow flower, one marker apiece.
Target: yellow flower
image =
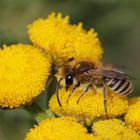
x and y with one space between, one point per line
113 129
23 74
64 40
64 128
90 106
132 117
134 100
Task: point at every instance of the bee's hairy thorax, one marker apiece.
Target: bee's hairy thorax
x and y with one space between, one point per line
80 71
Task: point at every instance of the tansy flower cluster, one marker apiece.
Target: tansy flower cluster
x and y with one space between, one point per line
90 106
23 74
132 116
63 40
29 70
59 128
66 128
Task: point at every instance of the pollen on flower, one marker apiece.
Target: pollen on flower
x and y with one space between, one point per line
132 117
23 74
63 40
90 106
113 129
64 128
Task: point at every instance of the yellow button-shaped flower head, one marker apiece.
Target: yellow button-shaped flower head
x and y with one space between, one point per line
90 106
113 129
132 117
63 40
59 129
23 74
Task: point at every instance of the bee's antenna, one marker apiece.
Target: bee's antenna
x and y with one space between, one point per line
57 91
74 88
105 99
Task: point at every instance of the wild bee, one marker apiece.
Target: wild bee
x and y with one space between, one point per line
103 76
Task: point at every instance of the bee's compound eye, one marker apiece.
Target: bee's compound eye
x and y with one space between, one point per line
69 80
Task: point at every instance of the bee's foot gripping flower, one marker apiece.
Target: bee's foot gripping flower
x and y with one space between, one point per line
63 40
132 117
90 106
24 72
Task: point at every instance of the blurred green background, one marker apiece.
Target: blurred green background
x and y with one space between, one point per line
117 23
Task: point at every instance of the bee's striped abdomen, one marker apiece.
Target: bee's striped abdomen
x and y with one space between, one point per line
120 86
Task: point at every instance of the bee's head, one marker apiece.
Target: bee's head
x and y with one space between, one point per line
69 76
69 79
74 72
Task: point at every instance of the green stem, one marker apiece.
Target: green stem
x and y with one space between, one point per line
88 122
38 113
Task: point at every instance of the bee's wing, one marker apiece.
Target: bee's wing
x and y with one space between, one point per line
115 74
117 67
116 70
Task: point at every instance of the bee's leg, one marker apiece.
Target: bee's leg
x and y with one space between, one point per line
94 89
57 91
83 93
72 91
105 99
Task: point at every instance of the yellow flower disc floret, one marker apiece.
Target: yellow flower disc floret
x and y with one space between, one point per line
90 106
61 39
132 117
23 74
64 128
113 129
